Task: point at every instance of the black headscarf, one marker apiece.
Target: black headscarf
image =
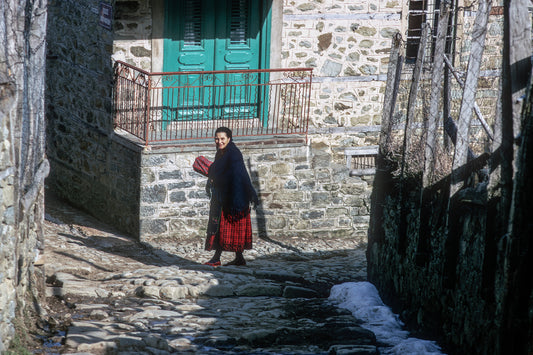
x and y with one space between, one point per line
230 184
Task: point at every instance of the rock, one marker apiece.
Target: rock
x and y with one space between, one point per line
299 292
255 290
125 342
331 68
174 292
219 291
101 347
148 291
260 336
349 335
156 342
99 314
353 350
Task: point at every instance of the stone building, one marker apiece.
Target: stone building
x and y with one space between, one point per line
23 165
449 241
309 182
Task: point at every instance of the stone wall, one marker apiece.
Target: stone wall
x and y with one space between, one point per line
454 264
443 269
23 166
303 192
347 42
133 33
90 166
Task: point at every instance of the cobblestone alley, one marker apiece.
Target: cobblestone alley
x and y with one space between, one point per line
107 294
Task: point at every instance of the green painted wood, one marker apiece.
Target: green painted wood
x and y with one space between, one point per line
210 35
263 93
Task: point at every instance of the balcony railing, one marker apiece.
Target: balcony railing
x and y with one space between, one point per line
166 107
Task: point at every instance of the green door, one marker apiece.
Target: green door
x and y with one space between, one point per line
208 35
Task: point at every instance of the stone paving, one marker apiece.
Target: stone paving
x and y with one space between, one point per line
118 296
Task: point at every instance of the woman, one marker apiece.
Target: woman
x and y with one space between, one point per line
231 191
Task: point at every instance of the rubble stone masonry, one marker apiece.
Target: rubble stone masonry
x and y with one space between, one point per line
303 192
150 193
23 165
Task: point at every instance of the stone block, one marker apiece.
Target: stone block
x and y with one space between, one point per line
177 196
153 226
307 185
277 222
198 195
181 185
322 175
170 175
256 290
281 168
147 211
324 41
290 185
320 198
219 291
341 233
153 194
321 161
174 292
361 219
312 214
299 292
322 224
331 187
154 160
354 188
354 201
336 212
288 196
331 68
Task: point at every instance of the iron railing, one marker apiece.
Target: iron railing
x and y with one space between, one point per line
166 107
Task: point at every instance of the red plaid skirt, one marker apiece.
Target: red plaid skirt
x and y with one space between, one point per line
231 236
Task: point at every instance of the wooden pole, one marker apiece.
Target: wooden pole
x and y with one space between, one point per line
477 110
391 91
413 93
436 84
469 91
513 228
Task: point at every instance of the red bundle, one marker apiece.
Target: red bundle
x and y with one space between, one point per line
201 165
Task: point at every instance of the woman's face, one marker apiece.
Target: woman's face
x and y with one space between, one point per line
221 140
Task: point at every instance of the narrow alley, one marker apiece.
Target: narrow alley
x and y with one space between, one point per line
108 294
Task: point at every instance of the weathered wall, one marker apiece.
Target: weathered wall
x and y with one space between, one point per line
302 192
23 166
133 33
458 266
347 42
90 167
441 269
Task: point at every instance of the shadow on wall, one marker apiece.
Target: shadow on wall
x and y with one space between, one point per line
261 215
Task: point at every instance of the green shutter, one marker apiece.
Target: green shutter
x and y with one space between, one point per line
210 35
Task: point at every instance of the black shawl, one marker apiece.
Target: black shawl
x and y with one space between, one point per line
230 184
